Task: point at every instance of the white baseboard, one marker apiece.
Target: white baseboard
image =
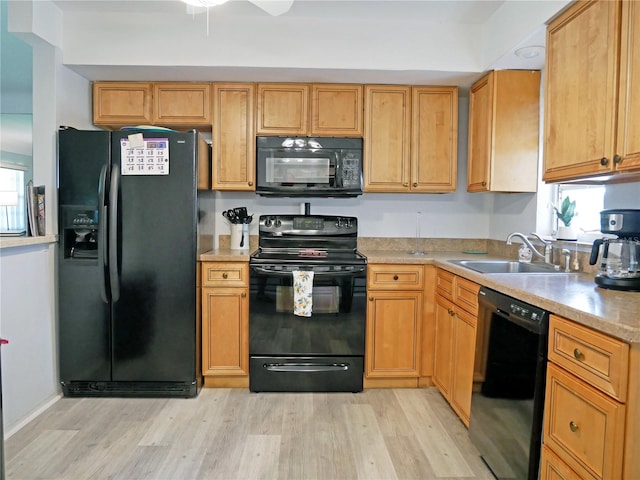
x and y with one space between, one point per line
31 416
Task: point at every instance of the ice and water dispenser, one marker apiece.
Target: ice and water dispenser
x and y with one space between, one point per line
80 232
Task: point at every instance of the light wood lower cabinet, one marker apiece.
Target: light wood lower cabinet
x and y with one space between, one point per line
394 325
592 405
456 321
225 324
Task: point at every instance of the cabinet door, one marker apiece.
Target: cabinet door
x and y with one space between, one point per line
387 137
336 110
580 99
442 362
480 122
283 109
434 139
463 354
225 331
394 323
182 103
233 137
628 145
122 103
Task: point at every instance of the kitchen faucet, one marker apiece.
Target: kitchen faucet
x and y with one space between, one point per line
547 245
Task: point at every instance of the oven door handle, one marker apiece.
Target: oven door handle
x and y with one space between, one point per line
317 273
306 367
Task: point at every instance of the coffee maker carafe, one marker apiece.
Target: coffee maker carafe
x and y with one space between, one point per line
619 264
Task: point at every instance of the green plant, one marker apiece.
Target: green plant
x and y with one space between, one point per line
567 211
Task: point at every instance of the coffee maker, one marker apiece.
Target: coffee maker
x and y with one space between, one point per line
619 265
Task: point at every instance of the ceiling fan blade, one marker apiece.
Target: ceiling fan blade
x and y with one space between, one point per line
273 7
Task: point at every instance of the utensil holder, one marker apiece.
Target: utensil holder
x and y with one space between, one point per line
239 236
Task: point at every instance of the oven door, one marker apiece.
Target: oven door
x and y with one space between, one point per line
323 352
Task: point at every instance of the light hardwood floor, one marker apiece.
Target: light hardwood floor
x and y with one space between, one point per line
234 434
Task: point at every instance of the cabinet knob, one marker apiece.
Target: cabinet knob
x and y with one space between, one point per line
484 184
415 184
395 277
250 184
450 312
243 295
225 275
573 426
371 299
604 161
405 184
578 354
617 159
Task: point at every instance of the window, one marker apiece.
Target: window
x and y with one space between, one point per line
12 201
589 203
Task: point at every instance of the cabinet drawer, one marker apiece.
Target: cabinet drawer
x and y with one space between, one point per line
596 358
444 283
460 291
221 274
465 294
552 468
395 277
583 426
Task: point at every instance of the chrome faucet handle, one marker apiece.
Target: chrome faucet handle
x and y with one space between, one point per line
545 242
548 248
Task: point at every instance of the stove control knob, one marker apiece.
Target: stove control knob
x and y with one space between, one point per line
277 223
268 222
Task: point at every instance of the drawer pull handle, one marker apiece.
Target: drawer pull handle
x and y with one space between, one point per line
573 426
395 277
578 354
225 275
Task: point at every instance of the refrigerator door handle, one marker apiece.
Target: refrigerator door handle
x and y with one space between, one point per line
114 274
102 233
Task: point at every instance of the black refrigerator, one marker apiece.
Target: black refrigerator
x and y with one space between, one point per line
127 307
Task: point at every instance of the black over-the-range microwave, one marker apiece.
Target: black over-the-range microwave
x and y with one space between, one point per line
309 166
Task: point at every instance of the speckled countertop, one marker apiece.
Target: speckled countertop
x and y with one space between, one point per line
574 296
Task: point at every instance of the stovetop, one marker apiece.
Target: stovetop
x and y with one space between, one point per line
308 239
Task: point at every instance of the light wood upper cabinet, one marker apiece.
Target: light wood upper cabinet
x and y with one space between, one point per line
181 103
122 103
172 104
233 159
387 137
504 119
410 136
592 93
336 110
329 109
434 139
283 109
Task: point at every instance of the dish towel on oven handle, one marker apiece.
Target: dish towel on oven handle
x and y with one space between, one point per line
302 292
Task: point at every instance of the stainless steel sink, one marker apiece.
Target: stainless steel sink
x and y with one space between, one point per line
507 266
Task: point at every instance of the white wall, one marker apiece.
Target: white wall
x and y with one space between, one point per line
27 274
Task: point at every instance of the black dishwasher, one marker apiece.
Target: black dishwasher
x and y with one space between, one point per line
506 411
